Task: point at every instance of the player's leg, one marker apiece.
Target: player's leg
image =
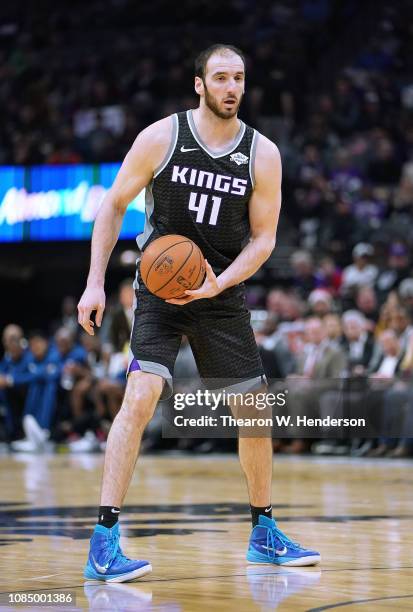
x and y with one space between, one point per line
255 455
141 396
224 348
155 342
106 560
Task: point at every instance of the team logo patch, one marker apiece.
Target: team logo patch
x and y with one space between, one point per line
164 265
239 158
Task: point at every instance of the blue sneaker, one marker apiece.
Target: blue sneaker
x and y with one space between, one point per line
268 544
106 560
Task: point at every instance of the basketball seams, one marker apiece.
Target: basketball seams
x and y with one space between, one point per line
190 263
160 254
177 272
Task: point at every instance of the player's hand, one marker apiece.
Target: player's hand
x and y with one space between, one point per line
93 299
209 288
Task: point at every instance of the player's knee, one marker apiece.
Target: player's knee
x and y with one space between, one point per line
141 396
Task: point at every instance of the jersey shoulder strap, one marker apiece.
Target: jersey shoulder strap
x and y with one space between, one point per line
172 145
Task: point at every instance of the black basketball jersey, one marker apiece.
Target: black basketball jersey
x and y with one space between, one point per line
202 194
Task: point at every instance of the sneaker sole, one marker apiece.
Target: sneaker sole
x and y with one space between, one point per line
138 573
302 562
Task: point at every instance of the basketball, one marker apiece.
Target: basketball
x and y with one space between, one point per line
172 264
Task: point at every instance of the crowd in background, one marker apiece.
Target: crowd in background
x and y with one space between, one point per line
331 84
328 337
63 385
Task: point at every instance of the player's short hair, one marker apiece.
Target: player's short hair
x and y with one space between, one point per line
202 59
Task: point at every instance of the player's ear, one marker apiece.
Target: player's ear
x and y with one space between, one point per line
199 86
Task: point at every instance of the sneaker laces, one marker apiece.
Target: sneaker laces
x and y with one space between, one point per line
117 551
274 534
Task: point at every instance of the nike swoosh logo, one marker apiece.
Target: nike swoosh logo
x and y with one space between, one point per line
115 511
184 150
102 569
280 553
268 509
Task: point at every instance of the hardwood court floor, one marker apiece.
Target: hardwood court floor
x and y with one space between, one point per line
188 516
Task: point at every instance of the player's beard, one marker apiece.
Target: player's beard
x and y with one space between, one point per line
212 104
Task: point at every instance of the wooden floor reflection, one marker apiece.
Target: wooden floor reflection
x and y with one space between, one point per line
188 515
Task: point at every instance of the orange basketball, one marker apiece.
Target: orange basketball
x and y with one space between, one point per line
170 265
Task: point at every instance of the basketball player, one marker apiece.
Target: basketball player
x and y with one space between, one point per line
217 181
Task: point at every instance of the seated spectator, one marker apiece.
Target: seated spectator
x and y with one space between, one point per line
329 275
304 277
366 303
110 388
73 365
93 400
381 380
14 379
396 270
344 175
358 342
397 412
400 323
358 345
275 302
285 305
334 327
390 360
319 368
294 307
320 302
40 404
369 210
278 361
361 272
392 302
83 388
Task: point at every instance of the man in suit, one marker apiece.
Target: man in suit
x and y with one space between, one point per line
358 343
319 369
321 359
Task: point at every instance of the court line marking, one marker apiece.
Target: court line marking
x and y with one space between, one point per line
47 576
279 572
357 601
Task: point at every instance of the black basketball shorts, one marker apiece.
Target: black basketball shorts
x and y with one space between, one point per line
219 333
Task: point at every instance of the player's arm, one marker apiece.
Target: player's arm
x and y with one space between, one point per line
264 211
146 154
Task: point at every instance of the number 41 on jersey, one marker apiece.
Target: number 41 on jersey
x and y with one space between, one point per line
198 203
